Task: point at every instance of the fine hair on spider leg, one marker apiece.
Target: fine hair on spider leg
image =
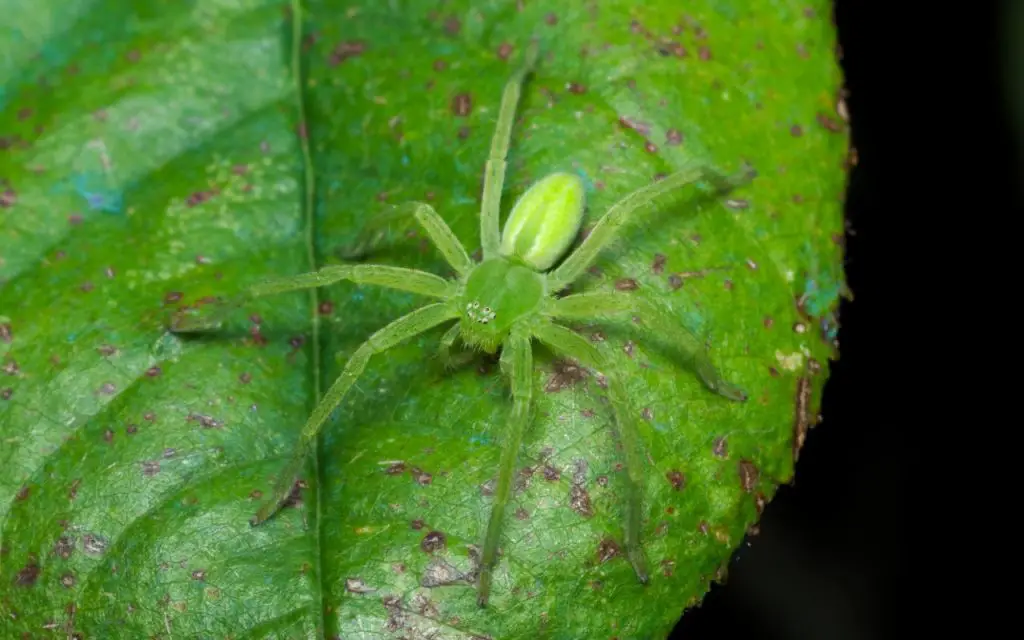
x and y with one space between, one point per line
500 305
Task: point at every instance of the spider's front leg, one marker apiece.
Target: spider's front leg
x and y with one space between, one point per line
437 230
563 341
399 331
517 365
402 279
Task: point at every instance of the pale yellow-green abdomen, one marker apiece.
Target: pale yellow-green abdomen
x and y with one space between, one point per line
544 221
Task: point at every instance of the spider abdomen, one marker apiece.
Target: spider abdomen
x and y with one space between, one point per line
544 221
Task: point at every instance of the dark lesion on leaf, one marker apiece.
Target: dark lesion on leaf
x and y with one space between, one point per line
294 498
565 374
607 549
676 479
433 541
802 421
748 475
29 574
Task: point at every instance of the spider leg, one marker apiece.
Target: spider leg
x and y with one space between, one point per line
620 213
494 170
411 280
399 331
444 351
587 306
437 230
571 344
517 365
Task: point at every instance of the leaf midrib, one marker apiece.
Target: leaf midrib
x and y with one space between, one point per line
310 241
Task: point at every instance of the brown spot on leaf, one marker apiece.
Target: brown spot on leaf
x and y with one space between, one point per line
721 447
294 498
462 104
505 50
357 585
759 503
23 493
829 123
802 416
422 477
207 422
28 574
199 574
667 567
452 26
579 500
566 374
647 414
748 475
6 333
433 541
607 549
551 474
658 265
704 53
417 524
67 579
6 393
10 366
395 469
522 514
345 50
551 19
64 547
677 479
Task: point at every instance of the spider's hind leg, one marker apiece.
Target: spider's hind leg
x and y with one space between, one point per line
571 344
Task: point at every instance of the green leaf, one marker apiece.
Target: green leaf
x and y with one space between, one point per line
151 157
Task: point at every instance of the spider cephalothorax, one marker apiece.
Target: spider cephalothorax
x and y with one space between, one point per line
497 293
506 301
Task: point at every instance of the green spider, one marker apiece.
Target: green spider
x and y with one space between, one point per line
504 302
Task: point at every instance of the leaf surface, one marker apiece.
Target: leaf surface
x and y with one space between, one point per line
155 160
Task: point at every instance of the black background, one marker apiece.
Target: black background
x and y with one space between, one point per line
845 552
